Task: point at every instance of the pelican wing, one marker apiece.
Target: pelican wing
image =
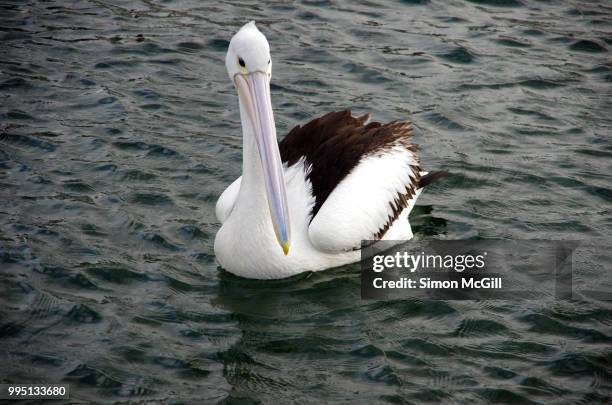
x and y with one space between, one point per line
363 176
225 203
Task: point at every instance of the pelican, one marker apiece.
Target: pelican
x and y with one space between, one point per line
306 203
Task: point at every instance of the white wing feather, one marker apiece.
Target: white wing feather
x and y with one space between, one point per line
226 201
360 205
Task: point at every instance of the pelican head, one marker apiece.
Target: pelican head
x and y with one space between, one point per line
249 66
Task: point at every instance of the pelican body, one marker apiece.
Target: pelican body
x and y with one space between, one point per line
306 203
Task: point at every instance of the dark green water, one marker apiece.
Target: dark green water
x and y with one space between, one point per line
119 129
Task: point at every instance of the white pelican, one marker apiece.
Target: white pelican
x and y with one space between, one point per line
306 203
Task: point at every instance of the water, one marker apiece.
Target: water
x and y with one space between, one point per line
119 129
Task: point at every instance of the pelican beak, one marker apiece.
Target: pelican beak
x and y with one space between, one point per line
254 92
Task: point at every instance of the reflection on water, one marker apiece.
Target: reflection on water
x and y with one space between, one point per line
119 129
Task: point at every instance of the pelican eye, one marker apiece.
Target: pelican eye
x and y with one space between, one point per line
241 62
268 61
